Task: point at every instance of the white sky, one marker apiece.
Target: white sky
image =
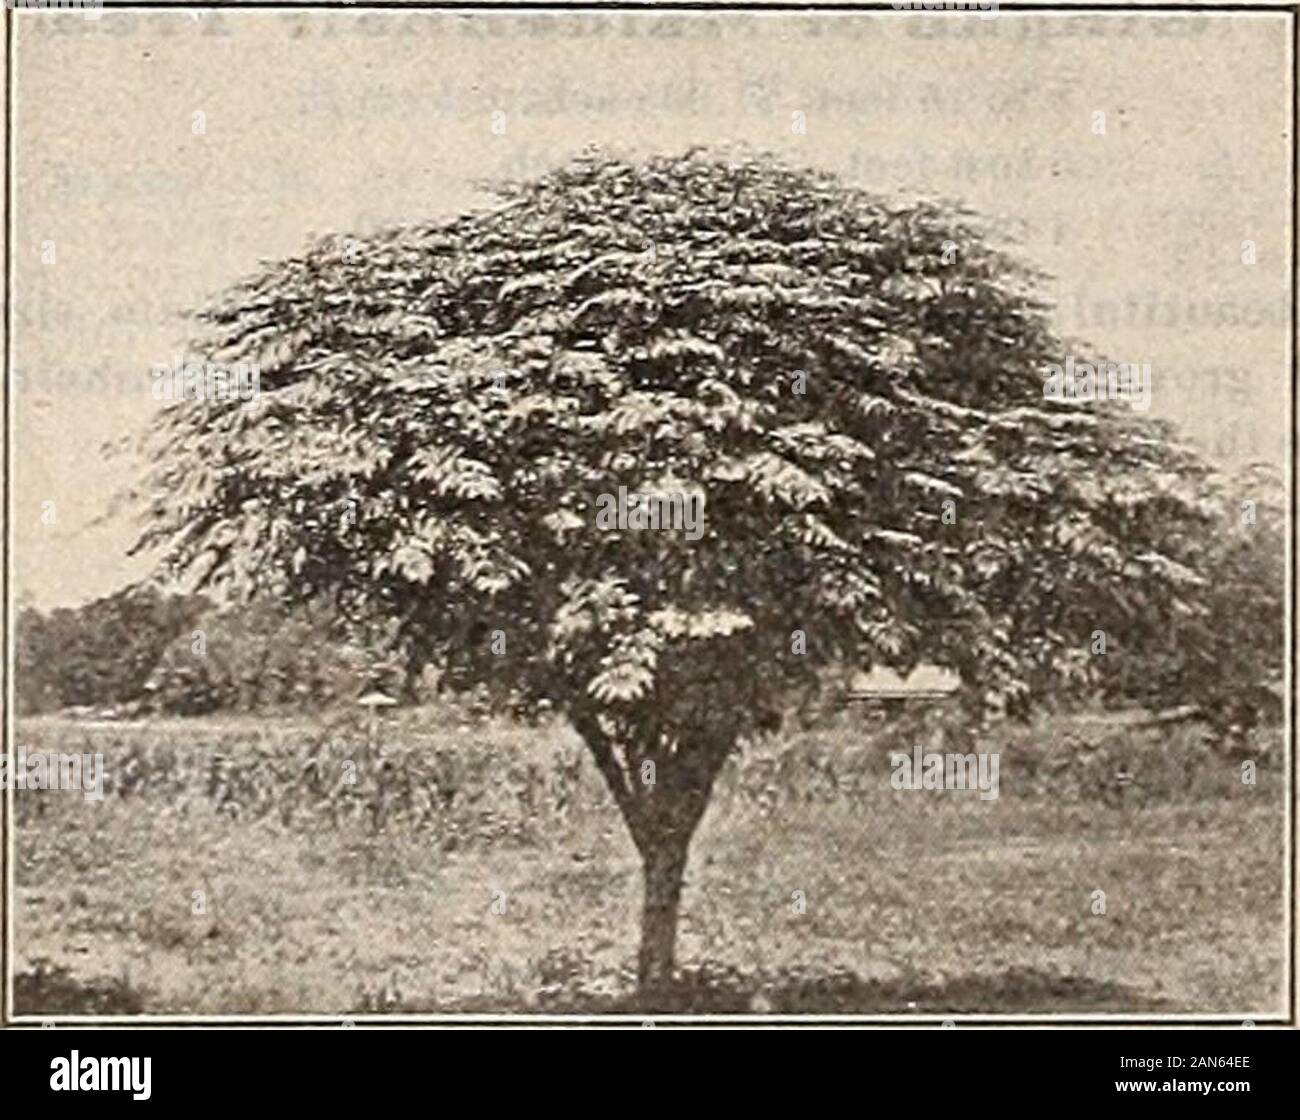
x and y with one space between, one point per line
341 121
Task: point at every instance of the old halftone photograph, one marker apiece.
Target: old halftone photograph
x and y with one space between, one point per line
574 514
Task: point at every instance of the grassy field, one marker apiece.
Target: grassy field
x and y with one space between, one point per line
318 896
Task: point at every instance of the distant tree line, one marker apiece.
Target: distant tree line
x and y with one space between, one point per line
98 654
144 650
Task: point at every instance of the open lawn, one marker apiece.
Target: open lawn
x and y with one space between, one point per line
914 902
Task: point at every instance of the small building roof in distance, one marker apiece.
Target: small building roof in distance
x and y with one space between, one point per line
924 680
376 699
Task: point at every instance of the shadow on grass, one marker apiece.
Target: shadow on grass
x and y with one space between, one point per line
52 990
705 990
718 991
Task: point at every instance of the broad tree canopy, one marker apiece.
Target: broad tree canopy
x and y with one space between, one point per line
441 406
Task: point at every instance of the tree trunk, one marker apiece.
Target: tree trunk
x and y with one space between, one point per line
664 867
661 816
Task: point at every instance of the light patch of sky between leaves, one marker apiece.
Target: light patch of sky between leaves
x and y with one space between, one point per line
344 121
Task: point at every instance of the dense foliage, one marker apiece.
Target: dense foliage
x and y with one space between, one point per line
255 659
1224 660
100 654
143 650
